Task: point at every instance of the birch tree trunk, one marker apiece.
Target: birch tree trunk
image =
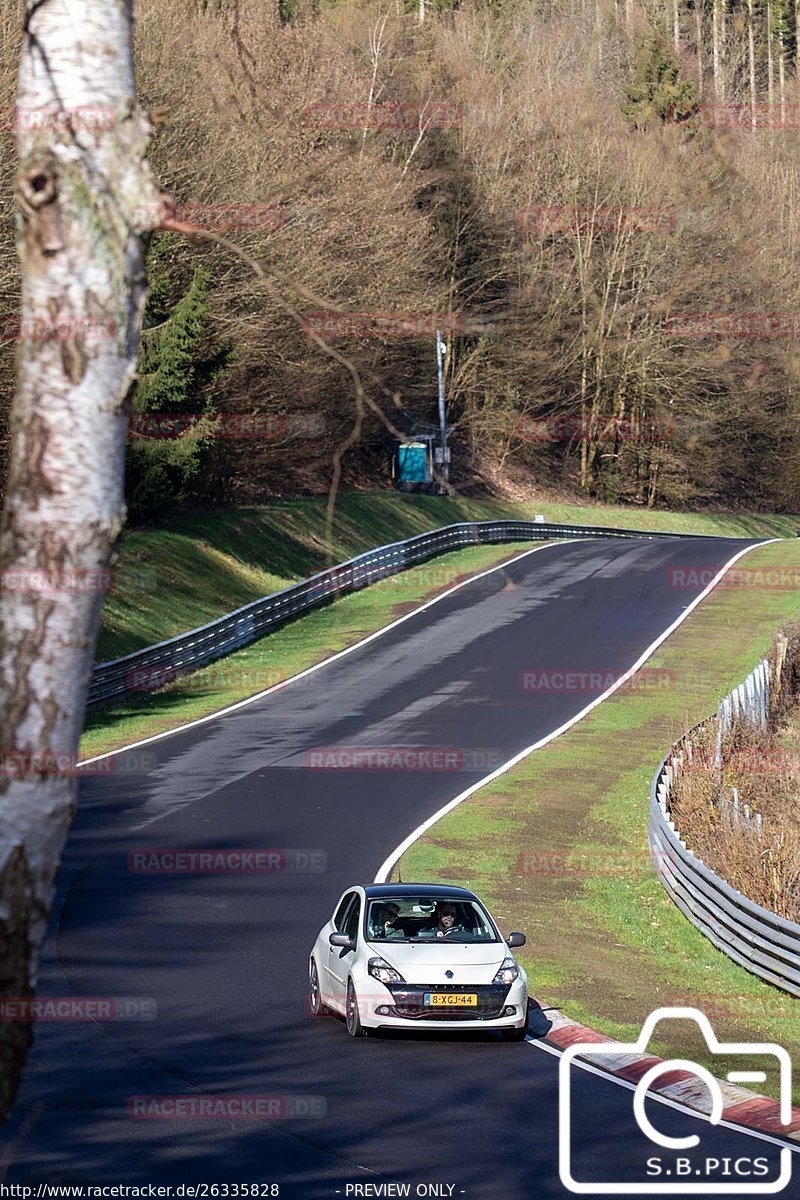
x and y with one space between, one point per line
83 194
715 63
751 59
770 66
676 26
698 14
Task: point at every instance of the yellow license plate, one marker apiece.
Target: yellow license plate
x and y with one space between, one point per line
451 1000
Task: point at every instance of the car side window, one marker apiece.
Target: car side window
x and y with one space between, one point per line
338 920
350 922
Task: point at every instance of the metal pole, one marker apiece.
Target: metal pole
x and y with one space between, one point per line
442 420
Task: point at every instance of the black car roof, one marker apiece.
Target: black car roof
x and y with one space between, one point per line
438 890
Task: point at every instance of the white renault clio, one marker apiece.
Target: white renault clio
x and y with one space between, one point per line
414 954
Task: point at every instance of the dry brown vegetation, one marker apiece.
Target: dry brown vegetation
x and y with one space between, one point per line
570 324
758 850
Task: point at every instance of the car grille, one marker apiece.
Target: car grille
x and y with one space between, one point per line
408 1001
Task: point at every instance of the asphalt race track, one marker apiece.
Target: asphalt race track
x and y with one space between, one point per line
224 956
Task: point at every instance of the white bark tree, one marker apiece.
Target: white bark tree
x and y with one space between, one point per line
751 61
85 197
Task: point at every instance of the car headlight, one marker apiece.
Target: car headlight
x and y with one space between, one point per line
509 971
379 969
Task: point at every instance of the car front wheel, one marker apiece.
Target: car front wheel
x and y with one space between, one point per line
354 1026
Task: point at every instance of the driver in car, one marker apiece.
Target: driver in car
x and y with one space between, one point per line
446 923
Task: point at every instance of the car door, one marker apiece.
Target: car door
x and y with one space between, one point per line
339 959
324 946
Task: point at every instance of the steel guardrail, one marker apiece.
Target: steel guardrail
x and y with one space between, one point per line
755 938
141 670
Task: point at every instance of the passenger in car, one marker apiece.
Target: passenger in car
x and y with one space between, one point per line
386 926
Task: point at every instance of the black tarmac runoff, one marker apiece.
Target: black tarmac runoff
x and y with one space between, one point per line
212 966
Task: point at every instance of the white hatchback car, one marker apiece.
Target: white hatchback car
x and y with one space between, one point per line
414 954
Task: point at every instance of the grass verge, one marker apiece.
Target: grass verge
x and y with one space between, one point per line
558 847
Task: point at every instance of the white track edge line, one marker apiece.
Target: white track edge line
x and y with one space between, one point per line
536 1044
221 712
414 836
426 825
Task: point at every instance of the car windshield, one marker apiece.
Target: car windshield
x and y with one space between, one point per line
424 918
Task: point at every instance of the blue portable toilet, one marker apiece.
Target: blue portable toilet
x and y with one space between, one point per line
413 463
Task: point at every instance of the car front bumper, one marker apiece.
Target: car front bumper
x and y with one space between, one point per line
403 1008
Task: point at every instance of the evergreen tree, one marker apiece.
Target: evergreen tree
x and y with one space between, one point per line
173 421
657 93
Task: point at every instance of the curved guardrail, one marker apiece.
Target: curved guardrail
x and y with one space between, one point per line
199 647
757 939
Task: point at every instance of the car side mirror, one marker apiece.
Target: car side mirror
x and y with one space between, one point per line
517 939
341 939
